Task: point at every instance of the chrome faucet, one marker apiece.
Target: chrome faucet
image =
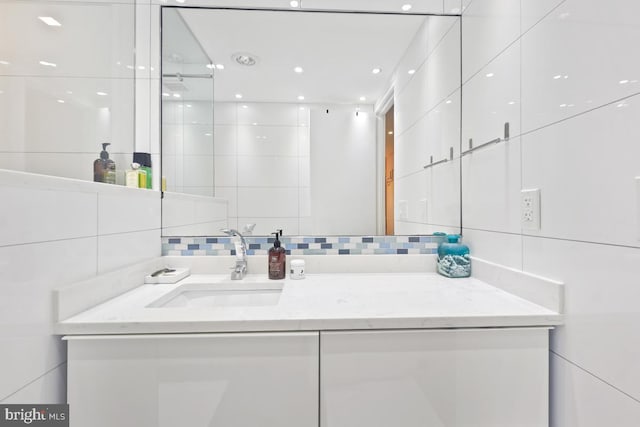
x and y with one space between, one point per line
240 269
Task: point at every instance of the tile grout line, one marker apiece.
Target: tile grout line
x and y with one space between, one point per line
617 245
595 376
33 381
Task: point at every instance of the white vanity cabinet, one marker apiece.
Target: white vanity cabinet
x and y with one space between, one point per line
436 378
194 380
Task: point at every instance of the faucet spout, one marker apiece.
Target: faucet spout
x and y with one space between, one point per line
240 269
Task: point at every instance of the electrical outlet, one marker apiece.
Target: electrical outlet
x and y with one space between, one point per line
530 209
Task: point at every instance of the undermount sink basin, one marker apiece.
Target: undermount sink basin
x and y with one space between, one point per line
222 294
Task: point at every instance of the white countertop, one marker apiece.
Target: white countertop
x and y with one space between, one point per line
322 302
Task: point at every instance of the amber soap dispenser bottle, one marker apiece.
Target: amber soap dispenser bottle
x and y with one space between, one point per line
277 259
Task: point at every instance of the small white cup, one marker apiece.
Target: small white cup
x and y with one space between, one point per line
297 269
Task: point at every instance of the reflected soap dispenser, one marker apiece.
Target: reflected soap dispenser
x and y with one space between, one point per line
277 259
104 169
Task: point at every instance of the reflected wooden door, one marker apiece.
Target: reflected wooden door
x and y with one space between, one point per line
388 173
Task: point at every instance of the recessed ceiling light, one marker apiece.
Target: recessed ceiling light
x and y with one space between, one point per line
623 82
210 66
300 98
180 1
238 96
219 66
49 21
298 69
61 101
294 3
245 106
69 92
4 62
448 101
177 95
376 70
411 71
102 93
363 98
254 123
489 74
165 94
302 108
208 134
406 7
48 64
188 105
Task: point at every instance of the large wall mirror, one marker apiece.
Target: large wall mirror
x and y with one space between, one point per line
315 122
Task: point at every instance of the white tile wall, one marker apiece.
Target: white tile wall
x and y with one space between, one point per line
192 215
427 126
577 114
582 400
57 231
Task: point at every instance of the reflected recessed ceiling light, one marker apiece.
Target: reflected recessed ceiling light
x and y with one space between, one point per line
294 3
556 77
254 123
363 98
61 101
623 82
208 134
511 102
101 93
69 92
244 58
1 92
180 1
210 66
188 105
390 132
245 106
489 74
49 21
376 70
165 94
406 7
411 71
238 96
298 69
300 98
448 101
130 67
48 64
302 108
4 62
219 66
177 95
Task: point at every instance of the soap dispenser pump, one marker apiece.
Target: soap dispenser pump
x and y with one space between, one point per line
277 259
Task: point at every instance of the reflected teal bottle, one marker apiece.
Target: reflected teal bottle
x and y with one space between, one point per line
453 258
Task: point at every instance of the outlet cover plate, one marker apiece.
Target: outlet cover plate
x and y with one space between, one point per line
530 209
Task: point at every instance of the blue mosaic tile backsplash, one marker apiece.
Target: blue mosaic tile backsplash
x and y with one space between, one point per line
334 245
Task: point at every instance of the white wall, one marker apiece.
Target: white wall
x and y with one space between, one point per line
427 124
564 75
55 231
342 191
52 120
187 149
191 215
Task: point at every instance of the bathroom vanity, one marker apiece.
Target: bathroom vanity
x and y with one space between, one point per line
332 350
